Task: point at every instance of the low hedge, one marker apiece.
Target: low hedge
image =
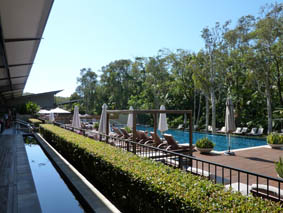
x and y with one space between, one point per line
137 184
35 122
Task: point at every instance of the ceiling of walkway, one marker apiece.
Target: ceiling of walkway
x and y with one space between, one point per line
22 23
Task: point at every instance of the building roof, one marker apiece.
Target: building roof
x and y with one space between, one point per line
21 27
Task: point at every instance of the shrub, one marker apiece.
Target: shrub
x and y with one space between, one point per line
204 143
138 184
35 122
274 138
279 167
128 129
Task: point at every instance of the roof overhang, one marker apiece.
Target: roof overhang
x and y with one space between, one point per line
21 27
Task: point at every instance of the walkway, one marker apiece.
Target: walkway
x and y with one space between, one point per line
17 189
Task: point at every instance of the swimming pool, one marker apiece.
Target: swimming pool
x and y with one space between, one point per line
220 141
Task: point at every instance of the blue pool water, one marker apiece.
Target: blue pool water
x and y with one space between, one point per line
220 141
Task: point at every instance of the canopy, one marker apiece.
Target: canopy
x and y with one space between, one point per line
103 119
130 119
43 111
76 122
59 111
162 125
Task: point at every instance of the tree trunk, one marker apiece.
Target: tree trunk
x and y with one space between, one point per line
279 81
268 102
194 118
206 112
212 93
269 109
199 105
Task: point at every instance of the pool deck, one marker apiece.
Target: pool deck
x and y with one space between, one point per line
260 160
17 189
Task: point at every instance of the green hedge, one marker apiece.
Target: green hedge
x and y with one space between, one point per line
35 122
137 184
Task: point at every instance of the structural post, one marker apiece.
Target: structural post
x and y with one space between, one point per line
155 125
107 127
134 132
191 134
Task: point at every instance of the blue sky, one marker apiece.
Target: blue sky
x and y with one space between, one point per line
92 33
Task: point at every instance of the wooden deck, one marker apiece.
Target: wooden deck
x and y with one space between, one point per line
17 189
258 160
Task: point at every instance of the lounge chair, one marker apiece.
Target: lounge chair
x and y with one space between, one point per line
126 134
157 141
181 126
259 132
252 132
209 128
117 132
244 130
143 138
238 131
222 130
174 145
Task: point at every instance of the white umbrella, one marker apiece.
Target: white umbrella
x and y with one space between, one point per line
162 125
51 117
103 119
130 119
43 111
76 122
229 122
59 111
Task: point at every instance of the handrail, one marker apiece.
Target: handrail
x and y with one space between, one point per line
216 171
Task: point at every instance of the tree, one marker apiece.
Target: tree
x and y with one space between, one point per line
87 88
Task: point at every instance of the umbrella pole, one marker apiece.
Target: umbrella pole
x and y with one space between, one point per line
229 149
229 142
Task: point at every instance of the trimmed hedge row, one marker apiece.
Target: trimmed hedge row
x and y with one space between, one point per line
137 184
35 122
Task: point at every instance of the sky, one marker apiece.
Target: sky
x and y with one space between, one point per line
93 33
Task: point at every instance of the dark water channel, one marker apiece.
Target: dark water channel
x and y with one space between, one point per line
53 193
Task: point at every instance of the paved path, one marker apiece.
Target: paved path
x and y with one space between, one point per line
17 189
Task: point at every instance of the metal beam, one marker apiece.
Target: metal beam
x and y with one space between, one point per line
23 76
17 65
7 88
4 55
7 40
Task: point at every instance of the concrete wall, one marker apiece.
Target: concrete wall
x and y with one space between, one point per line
45 100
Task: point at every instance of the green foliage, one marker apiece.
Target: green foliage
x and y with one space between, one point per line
279 167
30 140
245 60
96 125
28 108
275 138
35 122
137 184
32 108
204 143
128 129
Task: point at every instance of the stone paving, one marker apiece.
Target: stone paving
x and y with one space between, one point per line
17 189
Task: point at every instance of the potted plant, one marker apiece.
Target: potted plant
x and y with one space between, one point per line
204 145
275 140
279 167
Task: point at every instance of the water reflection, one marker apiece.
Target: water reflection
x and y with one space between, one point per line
53 193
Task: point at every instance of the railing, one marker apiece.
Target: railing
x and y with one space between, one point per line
237 179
